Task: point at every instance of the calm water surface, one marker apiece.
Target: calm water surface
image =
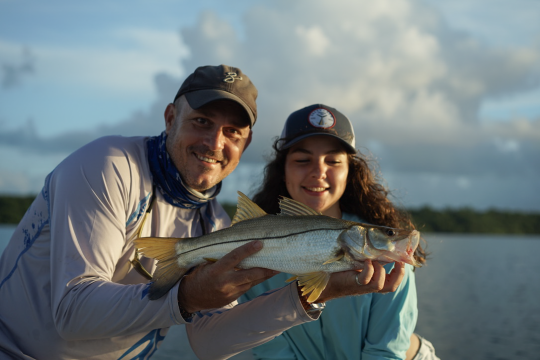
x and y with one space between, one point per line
478 297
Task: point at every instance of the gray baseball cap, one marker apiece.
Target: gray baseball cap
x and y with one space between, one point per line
222 82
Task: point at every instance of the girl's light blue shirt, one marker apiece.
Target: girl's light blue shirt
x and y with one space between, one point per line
368 327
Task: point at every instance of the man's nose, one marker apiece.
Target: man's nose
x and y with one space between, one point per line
215 140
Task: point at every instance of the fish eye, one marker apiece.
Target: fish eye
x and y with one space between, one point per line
390 232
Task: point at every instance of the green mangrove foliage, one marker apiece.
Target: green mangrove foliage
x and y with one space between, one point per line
426 219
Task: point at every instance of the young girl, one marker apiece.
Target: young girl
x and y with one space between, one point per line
316 163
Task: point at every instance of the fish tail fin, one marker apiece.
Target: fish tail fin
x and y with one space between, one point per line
167 272
313 283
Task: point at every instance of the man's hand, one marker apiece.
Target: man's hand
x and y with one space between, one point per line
373 279
215 285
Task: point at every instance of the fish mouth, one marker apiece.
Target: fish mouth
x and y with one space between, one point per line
407 254
401 248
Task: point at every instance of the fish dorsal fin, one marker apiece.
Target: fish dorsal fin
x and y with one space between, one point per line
290 207
246 209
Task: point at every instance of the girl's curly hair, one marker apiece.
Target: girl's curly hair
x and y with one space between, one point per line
364 194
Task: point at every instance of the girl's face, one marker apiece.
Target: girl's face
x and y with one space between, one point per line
316 171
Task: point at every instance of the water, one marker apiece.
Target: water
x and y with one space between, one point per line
477 297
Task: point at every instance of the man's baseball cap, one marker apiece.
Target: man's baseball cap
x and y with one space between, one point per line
317 119
222 82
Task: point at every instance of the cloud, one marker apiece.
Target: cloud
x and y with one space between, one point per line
141 123
403 76
12 74
393 66
125 63
411 84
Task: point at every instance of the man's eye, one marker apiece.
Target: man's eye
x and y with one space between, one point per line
201 121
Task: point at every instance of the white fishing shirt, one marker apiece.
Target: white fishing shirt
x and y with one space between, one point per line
68 290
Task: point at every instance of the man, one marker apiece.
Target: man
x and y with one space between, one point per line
72 286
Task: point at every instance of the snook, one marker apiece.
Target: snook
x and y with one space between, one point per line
299 241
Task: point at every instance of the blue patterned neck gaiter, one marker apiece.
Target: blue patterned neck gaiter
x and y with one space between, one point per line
168 180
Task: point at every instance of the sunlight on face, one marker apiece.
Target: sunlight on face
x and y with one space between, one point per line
206 144
316 172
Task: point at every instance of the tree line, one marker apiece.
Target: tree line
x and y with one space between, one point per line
465 220
426 219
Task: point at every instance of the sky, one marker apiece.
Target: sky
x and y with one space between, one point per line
444 96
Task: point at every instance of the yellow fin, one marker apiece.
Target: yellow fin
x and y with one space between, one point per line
313 283
290 207
156 248
167 271
292 278
246 209
337 258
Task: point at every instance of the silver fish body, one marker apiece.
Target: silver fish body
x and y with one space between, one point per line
292 244
299 241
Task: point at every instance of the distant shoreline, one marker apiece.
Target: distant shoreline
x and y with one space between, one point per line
450 220
465 220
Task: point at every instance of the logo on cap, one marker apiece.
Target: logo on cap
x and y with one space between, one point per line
322 118
231 76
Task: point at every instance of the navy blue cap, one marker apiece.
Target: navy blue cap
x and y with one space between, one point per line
317 119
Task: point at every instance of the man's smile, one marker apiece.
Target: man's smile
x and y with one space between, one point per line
206 159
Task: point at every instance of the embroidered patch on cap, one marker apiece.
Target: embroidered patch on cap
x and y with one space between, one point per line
231 76
322 118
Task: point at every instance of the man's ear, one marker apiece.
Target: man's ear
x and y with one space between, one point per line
170 116
248 141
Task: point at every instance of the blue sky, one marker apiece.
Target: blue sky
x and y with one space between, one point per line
445 96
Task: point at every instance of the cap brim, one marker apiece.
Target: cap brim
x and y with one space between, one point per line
199 98
348 147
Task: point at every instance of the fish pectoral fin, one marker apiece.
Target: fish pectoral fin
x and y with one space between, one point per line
167 271
339 255
290 207
246 209
313 283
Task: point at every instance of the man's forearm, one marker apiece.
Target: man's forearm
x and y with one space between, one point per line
247 325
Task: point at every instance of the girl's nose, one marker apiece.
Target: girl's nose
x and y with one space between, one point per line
319 170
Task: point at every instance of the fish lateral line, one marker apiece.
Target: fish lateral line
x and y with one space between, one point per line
252 239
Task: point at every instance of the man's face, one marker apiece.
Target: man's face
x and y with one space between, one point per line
206 144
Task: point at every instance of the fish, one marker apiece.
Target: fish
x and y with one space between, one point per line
299 240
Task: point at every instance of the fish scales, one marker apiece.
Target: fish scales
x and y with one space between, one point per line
308 247
299 241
